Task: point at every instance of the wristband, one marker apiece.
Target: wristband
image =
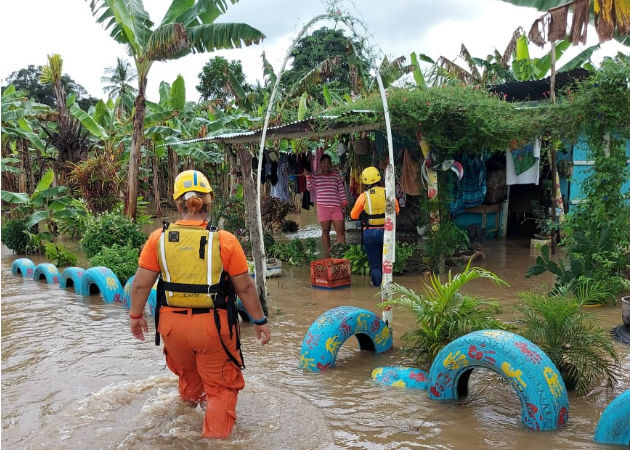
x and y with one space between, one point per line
260 321
133 316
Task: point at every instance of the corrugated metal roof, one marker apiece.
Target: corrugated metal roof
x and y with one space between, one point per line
299 127
537 89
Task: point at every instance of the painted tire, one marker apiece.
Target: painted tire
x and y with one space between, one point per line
71 277
614 424
326 335
24 267
407 377
46 271
126 302
534 377
102 280
242 312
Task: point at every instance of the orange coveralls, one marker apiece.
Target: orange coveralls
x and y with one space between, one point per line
192 346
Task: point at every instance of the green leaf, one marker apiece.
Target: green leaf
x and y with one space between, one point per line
36 217
165 91
535 269
14 197
178 94
44 183
417 73
327 96
88 122
302 109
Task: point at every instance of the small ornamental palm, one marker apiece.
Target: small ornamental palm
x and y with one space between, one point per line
583 353
443 314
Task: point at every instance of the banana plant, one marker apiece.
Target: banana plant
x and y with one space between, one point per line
48 204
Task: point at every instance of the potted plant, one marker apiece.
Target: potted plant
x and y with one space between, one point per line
545 225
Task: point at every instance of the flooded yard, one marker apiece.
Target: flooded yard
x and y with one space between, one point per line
74 378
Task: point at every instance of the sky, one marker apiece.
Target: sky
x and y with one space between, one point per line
32 29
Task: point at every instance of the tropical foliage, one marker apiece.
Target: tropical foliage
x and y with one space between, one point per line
443 313
186 27
583 353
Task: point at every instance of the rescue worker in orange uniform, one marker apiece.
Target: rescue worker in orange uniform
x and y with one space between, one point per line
370 207
200 271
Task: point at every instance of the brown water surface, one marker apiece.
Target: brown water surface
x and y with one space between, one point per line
74 378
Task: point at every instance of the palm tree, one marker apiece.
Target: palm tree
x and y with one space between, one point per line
187 27
119 78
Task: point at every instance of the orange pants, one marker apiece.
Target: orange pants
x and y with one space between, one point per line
195 354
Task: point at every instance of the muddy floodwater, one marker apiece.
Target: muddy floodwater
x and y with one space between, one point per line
73 378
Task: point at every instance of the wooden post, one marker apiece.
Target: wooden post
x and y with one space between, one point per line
249 195
552 150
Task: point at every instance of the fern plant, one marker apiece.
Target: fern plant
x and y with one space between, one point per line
443 313
583 353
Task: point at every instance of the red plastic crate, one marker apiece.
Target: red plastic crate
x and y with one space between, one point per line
330 273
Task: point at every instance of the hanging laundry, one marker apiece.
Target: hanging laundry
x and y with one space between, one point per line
302 162
471 190
558 23
280 190
523 158
530 176
409 179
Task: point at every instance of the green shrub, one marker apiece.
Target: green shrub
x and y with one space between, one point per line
358 259
121 259
59 255
110 229
583 353
295 252
443 314
15 237
404 251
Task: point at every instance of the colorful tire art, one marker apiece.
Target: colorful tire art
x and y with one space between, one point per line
102 280
71 277
46 271
614 424
151 301
326 335
24 267
534 377
407 377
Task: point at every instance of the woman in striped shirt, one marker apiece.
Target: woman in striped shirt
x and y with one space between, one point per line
330 198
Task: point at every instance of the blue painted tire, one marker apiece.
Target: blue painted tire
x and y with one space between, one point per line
71 277
102 280
24 267
126 303
242 312
614 424
46 271
534 377
407 377
326 335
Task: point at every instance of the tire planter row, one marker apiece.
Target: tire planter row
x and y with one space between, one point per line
534 377
92 281
95 280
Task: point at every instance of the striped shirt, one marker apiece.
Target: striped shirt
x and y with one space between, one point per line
328 189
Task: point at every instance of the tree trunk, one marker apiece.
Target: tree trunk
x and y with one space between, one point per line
171 170
22 184
134 156
249 194
156 184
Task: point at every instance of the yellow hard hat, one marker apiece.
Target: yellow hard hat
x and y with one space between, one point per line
370 175
191 181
